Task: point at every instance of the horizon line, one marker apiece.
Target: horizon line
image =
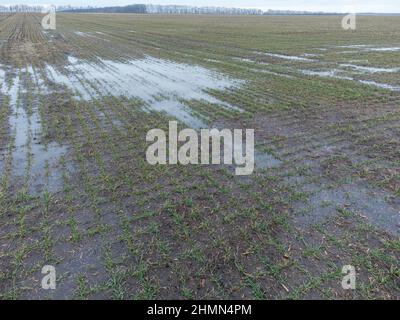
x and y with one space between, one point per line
210 6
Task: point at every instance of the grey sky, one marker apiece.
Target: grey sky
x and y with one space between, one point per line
310 5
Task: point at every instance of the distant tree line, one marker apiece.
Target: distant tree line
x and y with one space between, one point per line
178 9
167 9
157 9
134 8
20 8
291 12
173 9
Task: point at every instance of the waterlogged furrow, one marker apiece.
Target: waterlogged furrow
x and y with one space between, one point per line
162 85
286 57
370 69
343 71
337 74
34 165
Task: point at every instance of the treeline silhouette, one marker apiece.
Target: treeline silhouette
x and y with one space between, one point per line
156 9
168 9
134 8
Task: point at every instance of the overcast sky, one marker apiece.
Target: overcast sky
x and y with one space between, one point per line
309 5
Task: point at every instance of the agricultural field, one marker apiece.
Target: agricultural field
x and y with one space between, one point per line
77 193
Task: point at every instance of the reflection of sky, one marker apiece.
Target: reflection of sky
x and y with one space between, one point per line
309 5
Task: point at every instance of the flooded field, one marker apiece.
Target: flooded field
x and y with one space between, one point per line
77 193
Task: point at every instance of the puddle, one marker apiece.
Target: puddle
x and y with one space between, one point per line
353 46
81 34
262 160
359 61
380 85
250 61
80 91
28 152
390 49
265 160
311 55
2 79
335 74
370 48
368 203
326 74
13 92
370 69
155 81
88 35
180 112
348 52
243 60
73 60
287 57
163 85
213 60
